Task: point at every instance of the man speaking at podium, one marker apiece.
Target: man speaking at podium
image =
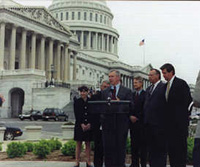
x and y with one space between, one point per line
115 125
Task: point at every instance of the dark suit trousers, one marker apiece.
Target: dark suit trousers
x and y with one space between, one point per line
98 148
115 130
177 149
196 153
138 144
156 143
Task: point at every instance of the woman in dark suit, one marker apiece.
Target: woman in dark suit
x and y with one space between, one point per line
82 130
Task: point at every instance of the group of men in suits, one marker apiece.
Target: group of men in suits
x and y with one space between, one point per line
158 120
166 118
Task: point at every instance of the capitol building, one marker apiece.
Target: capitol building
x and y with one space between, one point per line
45 54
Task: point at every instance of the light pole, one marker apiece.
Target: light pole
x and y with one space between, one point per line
52 71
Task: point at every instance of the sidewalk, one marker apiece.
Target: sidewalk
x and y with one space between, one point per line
42 164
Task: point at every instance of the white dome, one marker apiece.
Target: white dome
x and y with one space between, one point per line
102 2
91 21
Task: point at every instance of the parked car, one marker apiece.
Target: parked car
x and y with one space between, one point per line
11 132
32 115
54 113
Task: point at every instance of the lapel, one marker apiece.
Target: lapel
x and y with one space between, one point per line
172 87
156 89
120 92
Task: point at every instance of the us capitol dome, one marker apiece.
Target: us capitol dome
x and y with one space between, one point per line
91 22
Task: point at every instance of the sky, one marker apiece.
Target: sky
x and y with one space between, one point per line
171 30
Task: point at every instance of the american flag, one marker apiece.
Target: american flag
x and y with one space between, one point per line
141 42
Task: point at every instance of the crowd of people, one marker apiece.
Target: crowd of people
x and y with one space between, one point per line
158 119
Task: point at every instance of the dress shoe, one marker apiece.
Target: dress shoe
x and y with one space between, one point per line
77 165
87 165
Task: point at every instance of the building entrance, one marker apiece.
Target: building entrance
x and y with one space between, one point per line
17 102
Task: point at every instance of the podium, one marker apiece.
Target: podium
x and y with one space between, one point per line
115 124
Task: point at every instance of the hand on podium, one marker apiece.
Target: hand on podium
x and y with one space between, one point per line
133 119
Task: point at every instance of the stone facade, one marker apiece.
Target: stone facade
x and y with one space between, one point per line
71 44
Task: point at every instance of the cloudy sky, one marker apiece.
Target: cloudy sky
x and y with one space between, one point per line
171 30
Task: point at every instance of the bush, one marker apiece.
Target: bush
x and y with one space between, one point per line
128 145
92 145
58 144
1 147
69 148
41 149
190 146
29 146
16 149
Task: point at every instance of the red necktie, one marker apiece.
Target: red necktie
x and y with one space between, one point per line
114 94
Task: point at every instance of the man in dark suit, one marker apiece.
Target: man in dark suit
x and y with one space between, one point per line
154 118
97 131
115 126
138 143
178 99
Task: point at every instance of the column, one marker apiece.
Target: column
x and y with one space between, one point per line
69 64
111 44
42 54
96 40
74 66
89 40
33 51
2 45
116 46
58 56
50 59
66 64
12 48
82 39
102 41
22 61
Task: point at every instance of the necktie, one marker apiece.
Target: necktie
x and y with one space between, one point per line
136 97
167 90
114 93
151 89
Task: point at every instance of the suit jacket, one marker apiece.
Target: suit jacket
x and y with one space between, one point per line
138 105
81 113
196 94
154 106
179 99
123 94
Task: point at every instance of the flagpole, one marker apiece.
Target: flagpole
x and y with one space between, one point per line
144 55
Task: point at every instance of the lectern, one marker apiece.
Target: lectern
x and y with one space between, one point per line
115 123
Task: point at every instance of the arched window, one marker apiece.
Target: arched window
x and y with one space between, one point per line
61 16
100 18
85 15
91 16
67 16
79 15
96 17
72 15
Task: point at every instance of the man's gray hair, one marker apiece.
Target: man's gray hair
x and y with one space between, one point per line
116 71
139 78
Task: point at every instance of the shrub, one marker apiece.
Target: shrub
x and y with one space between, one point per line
128 145
16 149
41 149
190 146
58 144
69 148
92 145
1 147
49 143
29 146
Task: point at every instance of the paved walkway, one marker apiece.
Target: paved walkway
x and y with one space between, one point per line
40 164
